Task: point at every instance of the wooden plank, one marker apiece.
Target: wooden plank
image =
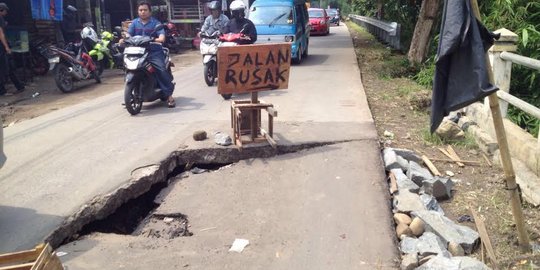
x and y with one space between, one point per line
26 266
484 237
251 68
269 138
393 183
271 111
471 162
454 156
487 160
445 152
430 166
19 257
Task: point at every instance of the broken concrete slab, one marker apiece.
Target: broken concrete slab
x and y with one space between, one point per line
439 187
448 230
407 154
457 263
431 203
222 139
403 182
449 130
409 261
417 173
440 263
406 202
393 161
427 244
402 218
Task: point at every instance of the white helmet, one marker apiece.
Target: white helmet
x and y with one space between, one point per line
237 5
89 32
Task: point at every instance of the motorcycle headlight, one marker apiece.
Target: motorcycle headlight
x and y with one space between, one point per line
289 38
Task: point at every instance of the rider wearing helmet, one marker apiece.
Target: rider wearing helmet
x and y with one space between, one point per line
215 22
239 23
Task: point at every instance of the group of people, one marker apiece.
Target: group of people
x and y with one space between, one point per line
144 25
217 21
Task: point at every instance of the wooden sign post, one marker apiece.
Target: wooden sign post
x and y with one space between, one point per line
250 69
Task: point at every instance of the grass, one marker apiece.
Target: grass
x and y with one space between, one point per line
434 139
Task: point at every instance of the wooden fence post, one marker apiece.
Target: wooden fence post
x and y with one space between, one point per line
502 69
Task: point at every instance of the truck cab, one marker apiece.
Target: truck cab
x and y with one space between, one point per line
282 21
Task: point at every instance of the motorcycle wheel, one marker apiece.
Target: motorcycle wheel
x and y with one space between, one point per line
210 73
97 76
40 65
62 78
226 96
131 98
101 65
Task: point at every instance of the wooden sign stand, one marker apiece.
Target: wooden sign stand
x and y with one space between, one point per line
246 120
250 69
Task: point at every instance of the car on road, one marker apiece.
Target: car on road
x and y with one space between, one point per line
282 21
334 16
319 21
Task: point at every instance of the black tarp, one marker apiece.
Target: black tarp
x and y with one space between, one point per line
461 76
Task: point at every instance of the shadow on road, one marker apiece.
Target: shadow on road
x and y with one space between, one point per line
18 230
314 60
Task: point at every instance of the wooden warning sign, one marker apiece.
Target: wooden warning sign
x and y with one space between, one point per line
251 68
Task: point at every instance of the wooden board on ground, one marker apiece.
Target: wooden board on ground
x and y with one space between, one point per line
40 258
252 68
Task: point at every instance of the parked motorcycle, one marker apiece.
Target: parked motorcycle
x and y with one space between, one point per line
210 44
38 58
141 84
107 53
69 67
173 40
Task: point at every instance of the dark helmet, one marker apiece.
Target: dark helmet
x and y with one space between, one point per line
214 5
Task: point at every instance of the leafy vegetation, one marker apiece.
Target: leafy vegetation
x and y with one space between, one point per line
520 16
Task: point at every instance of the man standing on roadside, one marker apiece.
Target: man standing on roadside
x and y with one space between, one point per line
6 65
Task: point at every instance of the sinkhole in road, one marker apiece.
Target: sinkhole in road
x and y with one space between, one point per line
137 217
130 208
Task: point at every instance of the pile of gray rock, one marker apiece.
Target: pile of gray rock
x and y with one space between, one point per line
428 239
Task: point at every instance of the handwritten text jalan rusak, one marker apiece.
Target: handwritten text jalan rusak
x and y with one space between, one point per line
253 68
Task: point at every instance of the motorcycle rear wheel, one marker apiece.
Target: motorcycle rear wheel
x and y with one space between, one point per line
210 73
132 99
62 78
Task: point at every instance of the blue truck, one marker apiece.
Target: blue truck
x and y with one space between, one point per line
282 21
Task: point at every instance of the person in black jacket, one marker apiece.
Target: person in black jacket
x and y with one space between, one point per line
6 64
239 23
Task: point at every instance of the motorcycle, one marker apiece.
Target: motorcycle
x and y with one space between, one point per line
141 84
69 67
38 59
209 47
107 53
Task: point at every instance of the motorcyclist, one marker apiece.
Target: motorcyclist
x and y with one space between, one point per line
239 23
217 21
144 25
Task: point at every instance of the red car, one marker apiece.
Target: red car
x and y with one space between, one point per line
319 21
